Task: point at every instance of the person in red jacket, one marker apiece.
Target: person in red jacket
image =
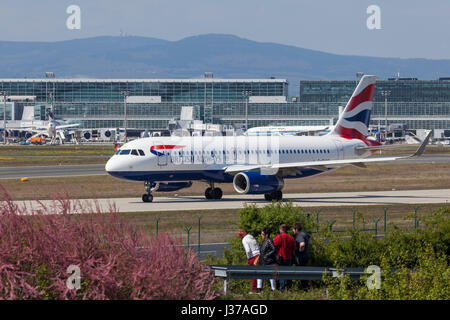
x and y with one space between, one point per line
285 245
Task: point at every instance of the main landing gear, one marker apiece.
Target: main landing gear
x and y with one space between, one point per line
276 195
147 196
212 193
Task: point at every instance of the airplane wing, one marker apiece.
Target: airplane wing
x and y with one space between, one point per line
322 165
67 126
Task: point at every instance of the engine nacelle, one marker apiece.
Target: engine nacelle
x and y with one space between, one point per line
256 183
170 186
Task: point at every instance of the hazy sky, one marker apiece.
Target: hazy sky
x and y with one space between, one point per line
409 28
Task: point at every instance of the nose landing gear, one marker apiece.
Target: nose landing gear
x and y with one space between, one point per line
148 197
212 193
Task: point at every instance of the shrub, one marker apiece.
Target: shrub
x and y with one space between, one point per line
253 219
420 257
429 281
116 259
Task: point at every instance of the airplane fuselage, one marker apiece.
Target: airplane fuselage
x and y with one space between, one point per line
206 158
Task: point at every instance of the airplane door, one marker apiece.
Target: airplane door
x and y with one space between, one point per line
339 149
162 159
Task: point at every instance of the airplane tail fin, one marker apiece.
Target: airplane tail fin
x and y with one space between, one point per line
50 115
28 113
354 120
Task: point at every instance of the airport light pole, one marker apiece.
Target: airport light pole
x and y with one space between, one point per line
385 93
4 94
246 94
359 75
125 95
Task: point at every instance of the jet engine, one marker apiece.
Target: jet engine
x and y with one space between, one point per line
256 183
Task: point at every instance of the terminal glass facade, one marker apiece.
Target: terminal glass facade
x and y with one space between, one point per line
400 90
99 103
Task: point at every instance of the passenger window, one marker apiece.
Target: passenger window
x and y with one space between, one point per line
134 152
126 151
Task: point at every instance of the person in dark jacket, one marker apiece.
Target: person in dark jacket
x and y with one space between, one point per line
268 252
301 253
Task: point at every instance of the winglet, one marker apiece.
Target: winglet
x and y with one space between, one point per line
422 147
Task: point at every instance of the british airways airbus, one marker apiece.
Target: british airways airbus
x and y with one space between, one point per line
254 164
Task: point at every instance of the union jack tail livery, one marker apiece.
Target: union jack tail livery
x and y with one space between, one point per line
354 121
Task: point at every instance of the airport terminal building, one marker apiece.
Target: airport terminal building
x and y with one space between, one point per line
152 103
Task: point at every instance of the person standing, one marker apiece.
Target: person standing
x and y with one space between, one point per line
285 245
268 253
253 254
301 252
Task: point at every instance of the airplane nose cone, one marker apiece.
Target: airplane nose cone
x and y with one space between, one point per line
112 165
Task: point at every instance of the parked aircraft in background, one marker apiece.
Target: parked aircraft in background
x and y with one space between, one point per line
253 164
52 129
290 130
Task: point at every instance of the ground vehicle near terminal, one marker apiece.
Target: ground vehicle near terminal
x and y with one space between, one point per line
254 164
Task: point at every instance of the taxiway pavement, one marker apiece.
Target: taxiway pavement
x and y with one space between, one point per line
182 203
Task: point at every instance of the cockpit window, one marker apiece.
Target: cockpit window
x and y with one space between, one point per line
141 152
126 151
118 151
134 152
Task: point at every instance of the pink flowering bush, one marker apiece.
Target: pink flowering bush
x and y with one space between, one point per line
116 260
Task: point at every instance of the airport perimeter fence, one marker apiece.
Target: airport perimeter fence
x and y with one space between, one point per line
328 224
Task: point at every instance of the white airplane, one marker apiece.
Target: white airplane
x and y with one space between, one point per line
254 164
290 130
52 128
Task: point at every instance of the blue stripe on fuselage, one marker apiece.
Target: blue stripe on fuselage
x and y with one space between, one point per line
208 175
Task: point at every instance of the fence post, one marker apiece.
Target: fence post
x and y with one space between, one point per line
416 222
157 224
317 220
354 218
198 250
385 218
331 225
376 225
188 230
